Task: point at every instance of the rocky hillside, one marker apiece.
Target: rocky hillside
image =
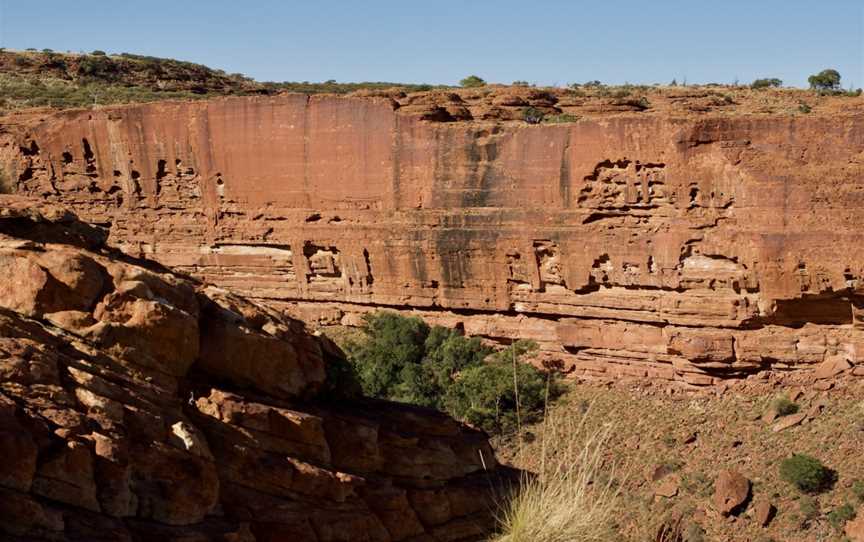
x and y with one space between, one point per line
61 80
708 466
137 404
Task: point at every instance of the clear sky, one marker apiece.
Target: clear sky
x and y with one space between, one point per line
541 41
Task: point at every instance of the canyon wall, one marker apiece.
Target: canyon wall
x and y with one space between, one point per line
138 405
680 247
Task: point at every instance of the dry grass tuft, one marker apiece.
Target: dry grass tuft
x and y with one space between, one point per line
573 494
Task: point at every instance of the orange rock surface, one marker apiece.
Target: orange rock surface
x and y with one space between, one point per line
136 404
682 243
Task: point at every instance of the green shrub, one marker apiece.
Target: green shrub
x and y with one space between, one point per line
784 407
840 515
825 81
804 108
392 343
806 473
403 359
532 115
472 81
521 84
98 52
766 83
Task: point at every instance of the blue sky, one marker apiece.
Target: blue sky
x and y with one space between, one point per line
441 41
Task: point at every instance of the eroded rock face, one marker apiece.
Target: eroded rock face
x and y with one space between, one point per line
136 404
688 248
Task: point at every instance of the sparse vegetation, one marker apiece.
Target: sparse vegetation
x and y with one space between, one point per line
804 108
806 473
858 490
19 92
63 80
521 84
472 81
772 82
403 359
840 515
560 118
640 442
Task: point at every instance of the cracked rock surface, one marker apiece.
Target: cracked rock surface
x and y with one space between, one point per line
665 243
136 404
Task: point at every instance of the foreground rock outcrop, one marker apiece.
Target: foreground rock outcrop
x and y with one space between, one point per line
689 244
136 404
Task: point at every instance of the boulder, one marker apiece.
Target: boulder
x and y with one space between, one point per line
788 421
763 512
731 491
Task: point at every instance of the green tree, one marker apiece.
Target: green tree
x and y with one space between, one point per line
766 83
485 395
825 81
403 359
472 81
393 342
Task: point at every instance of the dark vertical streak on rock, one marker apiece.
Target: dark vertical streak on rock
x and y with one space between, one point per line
306 193
564 176
396 196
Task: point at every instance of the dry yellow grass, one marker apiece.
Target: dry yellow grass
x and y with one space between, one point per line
572 496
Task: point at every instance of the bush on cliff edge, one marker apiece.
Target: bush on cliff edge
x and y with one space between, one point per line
404 359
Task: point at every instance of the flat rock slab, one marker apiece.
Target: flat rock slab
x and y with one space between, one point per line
789 421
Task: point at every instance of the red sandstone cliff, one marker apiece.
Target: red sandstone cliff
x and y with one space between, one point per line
663 244
139 405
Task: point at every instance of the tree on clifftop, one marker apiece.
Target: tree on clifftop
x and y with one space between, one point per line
472 81
826 80
766 83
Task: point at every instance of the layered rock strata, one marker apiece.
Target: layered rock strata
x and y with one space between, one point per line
136 404
655 245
